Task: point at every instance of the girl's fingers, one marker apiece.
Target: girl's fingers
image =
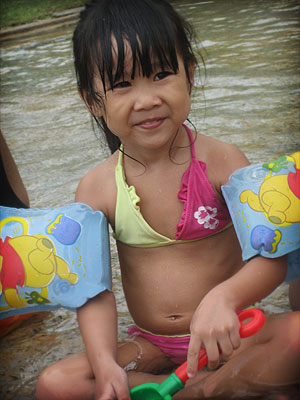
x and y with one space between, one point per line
122 390
117 390
229 342
221 339
213 354
212 351
235 339
225 346
193 355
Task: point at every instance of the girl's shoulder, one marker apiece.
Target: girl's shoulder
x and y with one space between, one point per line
221 158
97 188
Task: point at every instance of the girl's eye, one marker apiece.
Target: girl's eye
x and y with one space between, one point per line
161 75
121 85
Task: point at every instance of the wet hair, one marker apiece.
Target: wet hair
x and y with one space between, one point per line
152 29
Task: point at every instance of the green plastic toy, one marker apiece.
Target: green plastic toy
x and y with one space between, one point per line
177 380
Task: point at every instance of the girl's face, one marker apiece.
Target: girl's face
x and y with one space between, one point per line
146 111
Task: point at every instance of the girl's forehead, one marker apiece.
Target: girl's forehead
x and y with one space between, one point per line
122 58
122 54
125 53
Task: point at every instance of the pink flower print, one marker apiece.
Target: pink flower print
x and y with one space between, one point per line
206 216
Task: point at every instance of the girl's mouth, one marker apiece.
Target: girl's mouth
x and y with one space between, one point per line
151 123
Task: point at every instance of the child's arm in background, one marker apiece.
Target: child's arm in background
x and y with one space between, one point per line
98 326
215 321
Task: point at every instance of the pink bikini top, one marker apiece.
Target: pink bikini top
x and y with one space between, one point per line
203 214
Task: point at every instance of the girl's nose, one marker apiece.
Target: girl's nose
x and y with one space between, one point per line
146 99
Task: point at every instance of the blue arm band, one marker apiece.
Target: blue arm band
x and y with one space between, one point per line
52 257
264 203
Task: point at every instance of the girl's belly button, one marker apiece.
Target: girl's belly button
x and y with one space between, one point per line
174 317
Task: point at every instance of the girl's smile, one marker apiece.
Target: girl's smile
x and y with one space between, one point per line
136 105
151 123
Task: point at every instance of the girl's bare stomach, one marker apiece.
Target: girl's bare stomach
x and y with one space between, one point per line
164 285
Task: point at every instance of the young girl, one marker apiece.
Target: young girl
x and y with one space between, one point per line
181 265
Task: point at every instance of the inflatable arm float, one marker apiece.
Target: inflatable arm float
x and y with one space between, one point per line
51 258
264 204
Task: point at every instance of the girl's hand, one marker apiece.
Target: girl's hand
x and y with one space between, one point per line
112 383
214 326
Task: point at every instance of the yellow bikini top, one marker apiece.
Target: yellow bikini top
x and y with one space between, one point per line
130 226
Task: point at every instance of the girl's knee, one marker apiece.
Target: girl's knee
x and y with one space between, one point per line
290 326
50 384
70 378
286 334
293 330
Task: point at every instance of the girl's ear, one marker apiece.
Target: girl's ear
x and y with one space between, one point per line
93 108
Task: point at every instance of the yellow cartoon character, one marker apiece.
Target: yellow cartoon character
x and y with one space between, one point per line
279 195
29 260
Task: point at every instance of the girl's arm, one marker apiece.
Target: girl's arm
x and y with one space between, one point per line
98 326
215 322
98 317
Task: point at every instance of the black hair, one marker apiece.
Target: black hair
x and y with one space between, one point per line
153 30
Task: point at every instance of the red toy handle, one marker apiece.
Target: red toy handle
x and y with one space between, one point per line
247 329
253 326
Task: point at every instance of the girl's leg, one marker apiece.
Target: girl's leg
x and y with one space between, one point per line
72 378
267 362
294 294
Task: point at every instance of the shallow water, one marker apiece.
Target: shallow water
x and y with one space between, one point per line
250 98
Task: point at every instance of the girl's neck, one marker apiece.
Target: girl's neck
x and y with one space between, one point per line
177 150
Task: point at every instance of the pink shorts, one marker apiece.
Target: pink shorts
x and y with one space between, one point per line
176 347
